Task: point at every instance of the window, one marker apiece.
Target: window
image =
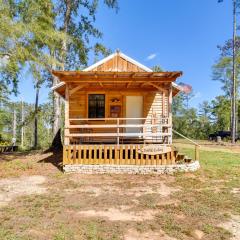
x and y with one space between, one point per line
96 106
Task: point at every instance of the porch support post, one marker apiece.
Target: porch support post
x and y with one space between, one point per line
118 131
66 129
170 111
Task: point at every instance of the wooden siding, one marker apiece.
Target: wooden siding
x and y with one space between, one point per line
118 64
153 103
77 105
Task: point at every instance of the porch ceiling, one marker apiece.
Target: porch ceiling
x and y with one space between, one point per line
152 81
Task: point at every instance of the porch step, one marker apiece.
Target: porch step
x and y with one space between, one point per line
180 158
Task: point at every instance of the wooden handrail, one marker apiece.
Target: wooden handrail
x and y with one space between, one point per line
118 134
197 146
146 127
117 125
115 119
190 140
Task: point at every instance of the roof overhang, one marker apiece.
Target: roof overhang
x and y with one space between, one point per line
77 77
176 88
82 76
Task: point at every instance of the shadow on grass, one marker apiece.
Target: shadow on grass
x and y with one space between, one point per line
55 158
56 149
10 156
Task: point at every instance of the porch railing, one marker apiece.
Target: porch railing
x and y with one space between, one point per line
127 154
196 145
152 129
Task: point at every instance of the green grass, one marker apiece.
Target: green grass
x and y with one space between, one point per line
9 235
204 201
206 197
217 162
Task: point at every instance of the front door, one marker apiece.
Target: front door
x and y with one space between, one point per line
134 109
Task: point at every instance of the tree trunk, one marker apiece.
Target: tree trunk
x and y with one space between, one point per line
14 126
67 17
56 99
22 127
36 119
56 109
56 113
233 111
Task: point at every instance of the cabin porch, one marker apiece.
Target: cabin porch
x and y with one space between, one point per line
118 112
125 154
121 141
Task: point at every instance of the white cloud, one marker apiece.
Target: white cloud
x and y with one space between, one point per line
151 56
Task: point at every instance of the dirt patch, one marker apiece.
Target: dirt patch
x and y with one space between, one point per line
11 188
233 226
132 234
37 234
168 201
236 191
31 163
161 189
136 191
95 190
120 214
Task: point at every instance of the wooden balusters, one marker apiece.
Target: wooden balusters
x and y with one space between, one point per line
116 155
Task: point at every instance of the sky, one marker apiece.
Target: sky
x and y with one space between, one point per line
178 35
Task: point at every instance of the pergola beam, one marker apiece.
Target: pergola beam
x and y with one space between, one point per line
128 84
117 80
156 86
72 91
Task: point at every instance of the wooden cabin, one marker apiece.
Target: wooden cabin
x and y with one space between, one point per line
118 111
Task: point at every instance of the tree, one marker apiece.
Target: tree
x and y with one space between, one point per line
221 112
74 50
28 36
236 3
178 105
157 68
36 73
44 117
205 119
5 121
222 72
27 33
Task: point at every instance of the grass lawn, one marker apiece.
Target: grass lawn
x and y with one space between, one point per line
38 201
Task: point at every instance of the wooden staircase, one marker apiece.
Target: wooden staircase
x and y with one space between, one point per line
182 158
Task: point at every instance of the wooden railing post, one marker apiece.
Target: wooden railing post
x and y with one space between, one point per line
118 131
170 111
196 152
65 155
66 130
